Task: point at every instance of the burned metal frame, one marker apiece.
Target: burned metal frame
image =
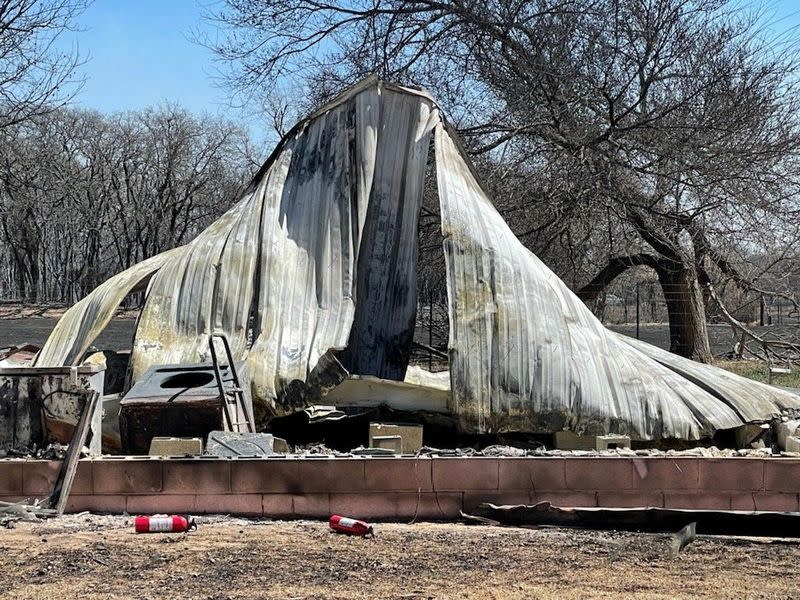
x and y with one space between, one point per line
321 251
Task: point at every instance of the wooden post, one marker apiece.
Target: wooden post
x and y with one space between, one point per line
69 466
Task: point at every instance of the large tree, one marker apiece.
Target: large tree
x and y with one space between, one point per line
657 133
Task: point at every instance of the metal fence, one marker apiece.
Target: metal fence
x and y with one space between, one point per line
637 309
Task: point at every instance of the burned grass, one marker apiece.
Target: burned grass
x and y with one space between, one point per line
100 557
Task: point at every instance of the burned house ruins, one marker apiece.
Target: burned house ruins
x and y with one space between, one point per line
311 277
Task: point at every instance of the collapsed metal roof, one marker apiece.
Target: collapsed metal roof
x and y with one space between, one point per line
320 254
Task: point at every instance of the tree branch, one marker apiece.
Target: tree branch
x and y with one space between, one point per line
615 267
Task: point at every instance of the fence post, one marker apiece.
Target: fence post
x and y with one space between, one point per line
637 311
625 309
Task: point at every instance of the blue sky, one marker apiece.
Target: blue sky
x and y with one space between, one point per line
140 53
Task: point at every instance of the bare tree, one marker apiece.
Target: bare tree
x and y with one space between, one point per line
83 196
35 75
634 133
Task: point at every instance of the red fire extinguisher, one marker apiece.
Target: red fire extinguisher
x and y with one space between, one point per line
351 526
164 524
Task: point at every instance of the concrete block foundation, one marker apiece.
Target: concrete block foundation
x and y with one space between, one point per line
394 488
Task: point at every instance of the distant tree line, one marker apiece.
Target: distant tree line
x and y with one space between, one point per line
84 195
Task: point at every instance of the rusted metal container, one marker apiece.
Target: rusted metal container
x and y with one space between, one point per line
171 401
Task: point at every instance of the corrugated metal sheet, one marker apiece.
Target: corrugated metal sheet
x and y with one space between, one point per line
526 353
751 400
209 287
83 322
320 254
331 218
335 255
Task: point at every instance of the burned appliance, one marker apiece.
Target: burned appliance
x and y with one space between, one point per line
178 401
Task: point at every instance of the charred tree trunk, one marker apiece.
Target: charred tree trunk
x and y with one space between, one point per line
686 308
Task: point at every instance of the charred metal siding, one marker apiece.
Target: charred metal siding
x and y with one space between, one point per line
386 294
321 252
84 321
331 218
527 354
750 400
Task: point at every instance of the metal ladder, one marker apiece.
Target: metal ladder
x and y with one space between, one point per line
232 397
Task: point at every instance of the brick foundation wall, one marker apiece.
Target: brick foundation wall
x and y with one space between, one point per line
394 488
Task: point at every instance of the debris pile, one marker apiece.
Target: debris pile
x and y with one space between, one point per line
52 451
27 510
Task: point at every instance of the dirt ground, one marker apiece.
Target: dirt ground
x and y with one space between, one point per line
12 310
87 556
